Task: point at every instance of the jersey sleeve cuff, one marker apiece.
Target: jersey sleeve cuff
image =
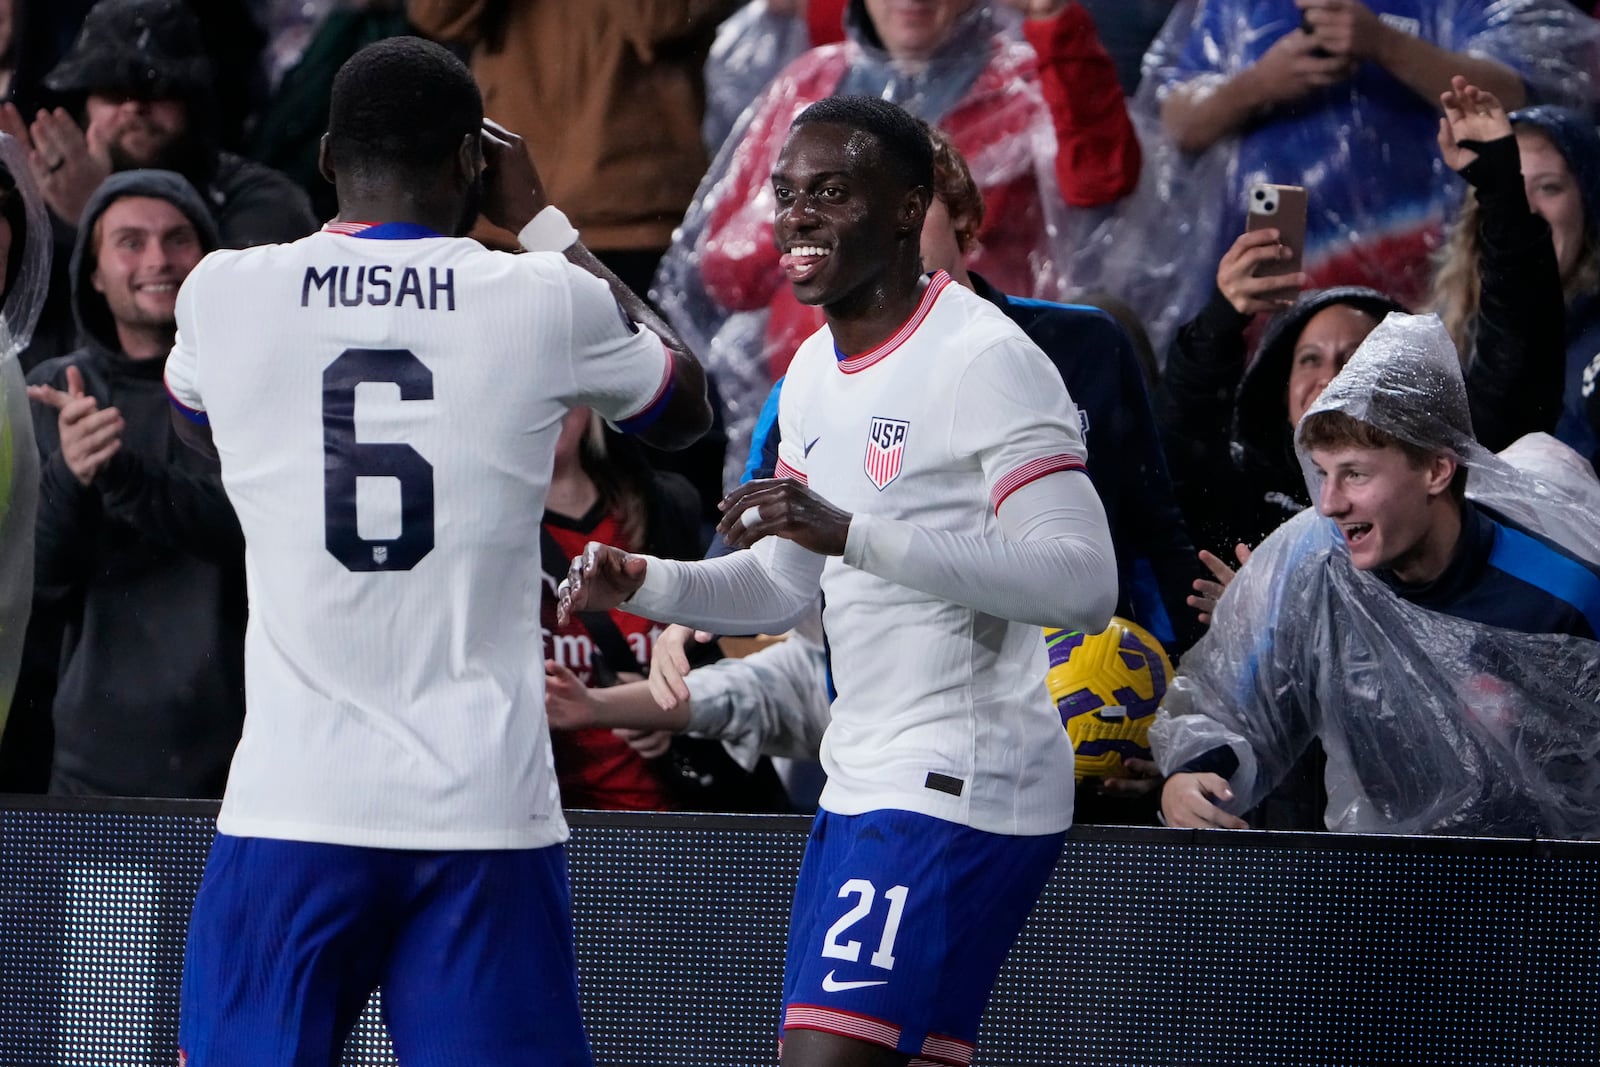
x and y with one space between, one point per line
548 231
873 540
783 470
194 415
646 416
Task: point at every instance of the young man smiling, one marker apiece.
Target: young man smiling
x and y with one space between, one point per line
140 570
931 482
1442 647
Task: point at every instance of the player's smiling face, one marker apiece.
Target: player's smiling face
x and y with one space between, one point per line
835 220
146 247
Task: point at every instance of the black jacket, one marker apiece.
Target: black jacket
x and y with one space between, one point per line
1518 364
139 578
1226 429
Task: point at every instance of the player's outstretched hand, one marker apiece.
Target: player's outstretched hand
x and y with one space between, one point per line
513 192
784 508
669 664
567 703
599 580
1186 802
1207 593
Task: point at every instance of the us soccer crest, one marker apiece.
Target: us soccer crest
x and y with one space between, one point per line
886 444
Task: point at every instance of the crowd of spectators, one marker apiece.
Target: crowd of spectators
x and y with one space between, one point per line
1094 162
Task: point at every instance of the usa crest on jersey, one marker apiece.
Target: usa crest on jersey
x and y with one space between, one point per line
886 444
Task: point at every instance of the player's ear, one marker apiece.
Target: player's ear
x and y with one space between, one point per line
324 159
469 157
913 210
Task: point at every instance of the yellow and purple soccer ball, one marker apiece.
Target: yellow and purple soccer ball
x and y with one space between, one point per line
1106 687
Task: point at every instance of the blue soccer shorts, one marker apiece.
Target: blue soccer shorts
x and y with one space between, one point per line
900 925
473 951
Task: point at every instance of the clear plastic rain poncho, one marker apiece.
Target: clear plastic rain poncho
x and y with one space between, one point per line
721 285
1364 150
1432 724
19 459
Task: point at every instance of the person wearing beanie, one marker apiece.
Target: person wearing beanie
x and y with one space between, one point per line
142 95
140 562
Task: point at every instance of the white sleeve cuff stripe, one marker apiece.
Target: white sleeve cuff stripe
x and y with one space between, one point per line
1032 471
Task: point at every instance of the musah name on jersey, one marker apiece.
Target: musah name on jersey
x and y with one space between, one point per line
381 285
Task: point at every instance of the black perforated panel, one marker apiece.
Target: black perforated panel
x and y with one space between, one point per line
1149 947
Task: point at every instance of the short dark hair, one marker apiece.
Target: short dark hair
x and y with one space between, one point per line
401 104
1329 430
902 137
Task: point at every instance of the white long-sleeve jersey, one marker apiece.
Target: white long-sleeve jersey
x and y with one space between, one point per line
386 412
956 448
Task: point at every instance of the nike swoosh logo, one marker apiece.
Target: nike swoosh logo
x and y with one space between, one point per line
829 985
812 445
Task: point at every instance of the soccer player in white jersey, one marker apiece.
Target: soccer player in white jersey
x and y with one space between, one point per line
932 483
385 398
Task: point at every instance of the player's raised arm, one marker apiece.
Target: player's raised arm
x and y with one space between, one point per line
514 198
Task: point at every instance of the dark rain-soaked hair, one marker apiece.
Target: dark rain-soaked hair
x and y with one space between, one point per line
401 105
902 138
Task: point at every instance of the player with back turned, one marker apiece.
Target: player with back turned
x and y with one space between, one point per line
385 398
932 484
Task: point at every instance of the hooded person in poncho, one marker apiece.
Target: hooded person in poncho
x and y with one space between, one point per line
1433 622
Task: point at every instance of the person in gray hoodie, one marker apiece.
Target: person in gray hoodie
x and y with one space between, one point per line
139 577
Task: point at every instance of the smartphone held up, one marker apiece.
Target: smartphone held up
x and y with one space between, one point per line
1281 208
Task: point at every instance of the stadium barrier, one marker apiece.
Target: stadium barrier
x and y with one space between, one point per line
1150 946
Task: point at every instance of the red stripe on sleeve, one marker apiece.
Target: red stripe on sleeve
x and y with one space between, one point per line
785 471
1032 471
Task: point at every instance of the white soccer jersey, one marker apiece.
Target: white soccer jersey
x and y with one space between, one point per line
386 413
941 709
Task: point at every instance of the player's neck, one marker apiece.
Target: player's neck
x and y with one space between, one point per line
380 209
866 319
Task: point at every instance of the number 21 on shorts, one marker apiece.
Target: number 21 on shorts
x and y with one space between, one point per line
834 946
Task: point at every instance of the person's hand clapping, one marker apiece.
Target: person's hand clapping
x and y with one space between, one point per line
65 163
90 435
1236 274
1207 593
1470 114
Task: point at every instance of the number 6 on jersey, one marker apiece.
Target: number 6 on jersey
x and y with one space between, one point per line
346 460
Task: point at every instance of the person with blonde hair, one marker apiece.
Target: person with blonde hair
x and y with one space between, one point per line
1518 285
